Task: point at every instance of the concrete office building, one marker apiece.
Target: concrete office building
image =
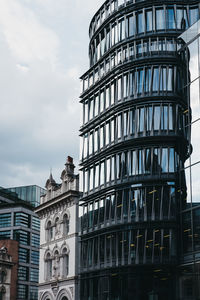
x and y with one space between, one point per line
19 222
135 145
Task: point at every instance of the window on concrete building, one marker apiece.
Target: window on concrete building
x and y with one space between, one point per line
23 273
22 292
22 219
35 257
24 255
49 231
48 266
34 275
65 224
34 293
65 262
5 220
2 276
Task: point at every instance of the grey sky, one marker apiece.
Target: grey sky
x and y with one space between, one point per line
43 52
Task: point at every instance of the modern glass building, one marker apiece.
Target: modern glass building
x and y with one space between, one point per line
31 193
135 145
19 222
190 264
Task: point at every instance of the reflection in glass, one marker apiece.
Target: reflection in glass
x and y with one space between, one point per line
160 19
170 18
149 21
140 23
155 79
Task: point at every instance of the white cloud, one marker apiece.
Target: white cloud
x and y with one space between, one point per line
44 50
27 37
22 68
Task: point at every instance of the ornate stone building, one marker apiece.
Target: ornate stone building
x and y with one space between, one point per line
8 269
58 213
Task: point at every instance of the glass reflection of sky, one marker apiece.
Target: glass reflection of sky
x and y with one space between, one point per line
193 163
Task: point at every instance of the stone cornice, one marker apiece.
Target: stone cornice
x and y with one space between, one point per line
68 199
64 238
55 282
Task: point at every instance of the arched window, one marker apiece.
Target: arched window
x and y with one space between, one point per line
57 227
48 266
49 231
56 266
2 292
65 262
65 224
64 298
2 276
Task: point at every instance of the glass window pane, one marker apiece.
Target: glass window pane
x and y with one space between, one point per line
147 85
96 111
149 21
91 179
139 81
34 275
23 273
194 15
164 164
160 19
119 87
131 26
170 80
5 220
91 108
131 84
35 257
149 118
171 127
33 293
102 101
119 127
141 120
35 240
125 86
155 79
112 93
23 255
107 133
96 140
132 122
96 176
108 166
22 236
101 137
156 117
35 223
163 79
170 18
140 23
102 175
171 160
86 111
179 18
107 96
22 291
112 131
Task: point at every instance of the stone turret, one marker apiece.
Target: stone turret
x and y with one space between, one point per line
70 181
68 178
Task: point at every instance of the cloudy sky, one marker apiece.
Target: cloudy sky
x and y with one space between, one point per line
43 52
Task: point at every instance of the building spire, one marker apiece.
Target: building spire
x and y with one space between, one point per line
50 181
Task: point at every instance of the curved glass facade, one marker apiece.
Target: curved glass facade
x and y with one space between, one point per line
134 144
